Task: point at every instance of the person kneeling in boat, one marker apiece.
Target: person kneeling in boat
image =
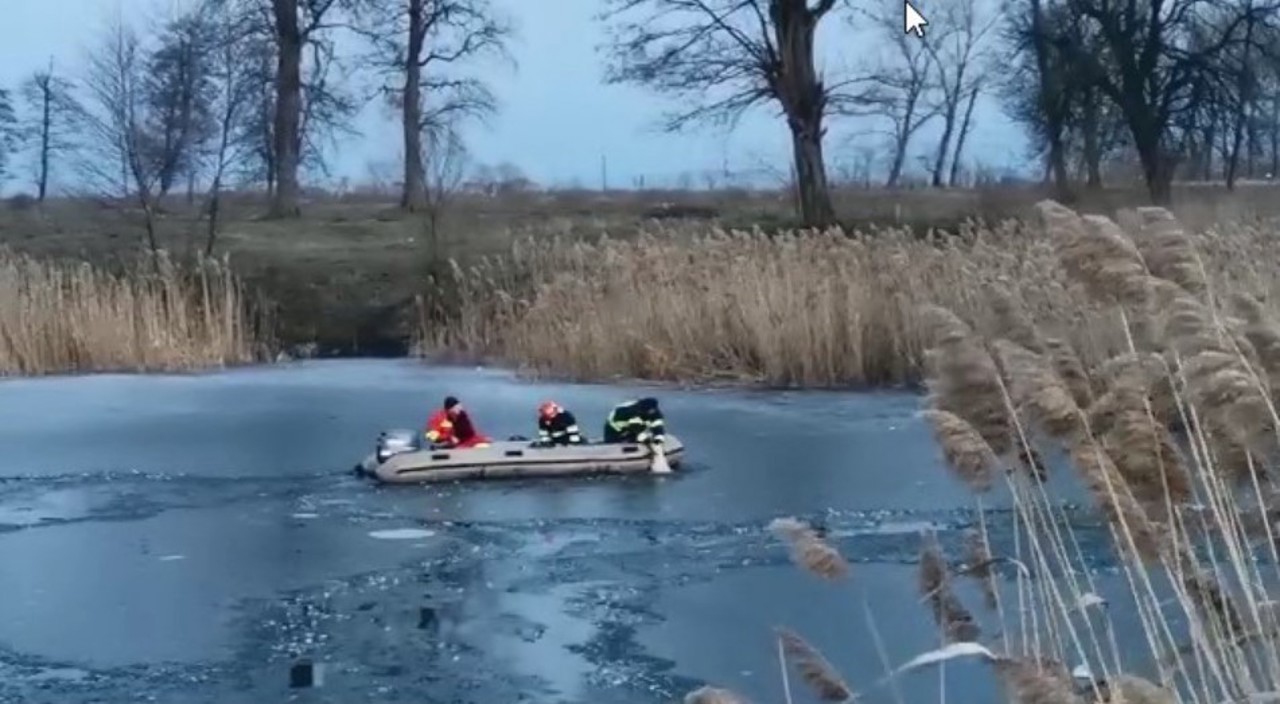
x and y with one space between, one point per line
556 426
635 421
451 427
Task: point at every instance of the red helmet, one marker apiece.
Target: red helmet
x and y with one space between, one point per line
548 409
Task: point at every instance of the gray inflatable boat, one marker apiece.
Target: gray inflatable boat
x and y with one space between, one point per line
400 458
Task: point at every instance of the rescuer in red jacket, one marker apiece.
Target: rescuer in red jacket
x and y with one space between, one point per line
451 427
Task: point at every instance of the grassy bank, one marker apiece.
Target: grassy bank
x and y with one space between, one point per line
63 316
1175 439
345 275
808 309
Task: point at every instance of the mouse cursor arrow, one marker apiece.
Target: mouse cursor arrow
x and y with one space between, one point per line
912 20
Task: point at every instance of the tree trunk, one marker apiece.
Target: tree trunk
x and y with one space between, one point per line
1243 91
1233 152
902 138
1210 139
414 195
811 178
1157 168
166 181
803 99
1092 161
1226 150
1275 135
215 209
1237 138
895 169
269 156
1254 144
288 110
1092 150
46 134
1047 97
960 138
1057 164
948 126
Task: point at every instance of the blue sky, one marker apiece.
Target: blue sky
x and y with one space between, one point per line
557 119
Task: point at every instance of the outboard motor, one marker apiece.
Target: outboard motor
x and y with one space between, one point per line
395 442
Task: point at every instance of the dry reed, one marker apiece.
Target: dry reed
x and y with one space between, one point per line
712 695
812 308
1029 682
810 551
1185 363
965 449
1165 403
953 619
60 317
820 675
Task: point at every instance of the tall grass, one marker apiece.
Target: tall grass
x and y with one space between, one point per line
155 316
802 308
1175 436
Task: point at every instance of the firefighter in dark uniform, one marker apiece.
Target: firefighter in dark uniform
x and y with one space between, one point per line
556 426
635 421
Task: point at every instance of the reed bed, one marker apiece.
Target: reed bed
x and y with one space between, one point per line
1175 436
809 309
58 317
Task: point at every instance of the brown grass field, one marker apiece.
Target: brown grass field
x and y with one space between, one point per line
346 276
1175 435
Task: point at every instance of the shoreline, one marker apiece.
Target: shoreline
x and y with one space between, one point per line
490 365
740 310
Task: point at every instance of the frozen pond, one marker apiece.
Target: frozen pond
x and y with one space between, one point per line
202 539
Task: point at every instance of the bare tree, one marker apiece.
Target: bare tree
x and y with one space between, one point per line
1098 128
178 90
1037 89
1069 117
258 62
295 24
327 106
234 90
419 44
8 132
319 110
896 86
117 161
1156 59
445 167
865 161
723 57
49 122
1271 117
1240 63
958 54
975 89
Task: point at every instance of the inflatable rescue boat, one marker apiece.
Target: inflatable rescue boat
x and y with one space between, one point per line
400 458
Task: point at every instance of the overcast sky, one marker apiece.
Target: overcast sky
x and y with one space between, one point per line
557 119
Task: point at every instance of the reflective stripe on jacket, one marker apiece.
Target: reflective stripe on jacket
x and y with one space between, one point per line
629 416
453 432
439 428
560 429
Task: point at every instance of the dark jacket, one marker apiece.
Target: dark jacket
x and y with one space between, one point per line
635 421
560 429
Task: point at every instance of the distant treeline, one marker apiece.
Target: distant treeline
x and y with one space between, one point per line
252 91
